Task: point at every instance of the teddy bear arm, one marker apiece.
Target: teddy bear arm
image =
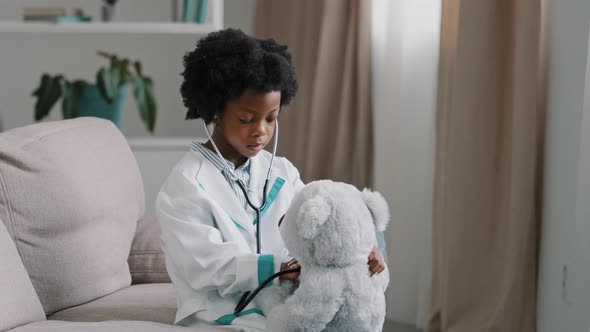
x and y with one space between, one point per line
383 279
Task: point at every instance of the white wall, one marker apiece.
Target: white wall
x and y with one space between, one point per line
24 56
564 290
406 35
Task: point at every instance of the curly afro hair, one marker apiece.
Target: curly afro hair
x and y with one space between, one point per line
225 64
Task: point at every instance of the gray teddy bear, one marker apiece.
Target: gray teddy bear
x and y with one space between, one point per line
330 228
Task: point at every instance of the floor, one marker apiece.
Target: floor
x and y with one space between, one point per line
398 327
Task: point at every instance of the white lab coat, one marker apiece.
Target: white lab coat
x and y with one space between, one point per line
209 239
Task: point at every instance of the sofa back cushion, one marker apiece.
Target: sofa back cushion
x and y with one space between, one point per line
147 262
19 304
70 196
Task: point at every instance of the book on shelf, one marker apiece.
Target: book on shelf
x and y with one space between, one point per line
194 11
43 14
44 11
201 12
189 8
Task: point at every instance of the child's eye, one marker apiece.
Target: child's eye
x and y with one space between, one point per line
271 120
245 121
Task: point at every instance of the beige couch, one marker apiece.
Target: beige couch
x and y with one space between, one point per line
76 252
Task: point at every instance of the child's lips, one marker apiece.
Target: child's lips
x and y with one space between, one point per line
255 147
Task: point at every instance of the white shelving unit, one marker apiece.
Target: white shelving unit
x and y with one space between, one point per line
215 22
111 27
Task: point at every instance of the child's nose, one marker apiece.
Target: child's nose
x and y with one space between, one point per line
259 129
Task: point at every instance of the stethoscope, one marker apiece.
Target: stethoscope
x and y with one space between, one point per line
248 297
243 186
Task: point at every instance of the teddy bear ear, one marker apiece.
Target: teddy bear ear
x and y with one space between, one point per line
378 208
313 214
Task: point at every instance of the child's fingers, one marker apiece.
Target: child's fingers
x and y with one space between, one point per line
293 264
373 267
376 264
290 276
372 255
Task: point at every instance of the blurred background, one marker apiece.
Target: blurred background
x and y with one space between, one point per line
472 118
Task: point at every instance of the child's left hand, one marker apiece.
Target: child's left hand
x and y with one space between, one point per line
376 263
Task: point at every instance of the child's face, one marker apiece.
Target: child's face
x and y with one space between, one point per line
247 124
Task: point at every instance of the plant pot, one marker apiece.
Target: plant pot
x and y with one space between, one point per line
93 104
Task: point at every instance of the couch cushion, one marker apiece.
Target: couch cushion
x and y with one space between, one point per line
147 263
18 303
119 326
149 302
70 196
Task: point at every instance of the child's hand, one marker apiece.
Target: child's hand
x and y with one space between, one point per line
376 264
292 264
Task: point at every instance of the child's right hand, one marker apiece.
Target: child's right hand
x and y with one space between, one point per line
292 264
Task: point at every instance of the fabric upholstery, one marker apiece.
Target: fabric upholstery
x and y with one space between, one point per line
71 195
148 302
115 326
147 263
18 302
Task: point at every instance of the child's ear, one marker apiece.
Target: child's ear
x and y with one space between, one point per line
378 208
313 214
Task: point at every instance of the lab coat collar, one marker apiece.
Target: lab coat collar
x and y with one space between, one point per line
258 169
217 187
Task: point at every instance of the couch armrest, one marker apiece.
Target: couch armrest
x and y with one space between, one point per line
147 263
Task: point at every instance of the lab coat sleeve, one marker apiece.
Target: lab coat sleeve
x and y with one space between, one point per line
195 248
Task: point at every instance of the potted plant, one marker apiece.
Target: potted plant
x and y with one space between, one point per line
105 99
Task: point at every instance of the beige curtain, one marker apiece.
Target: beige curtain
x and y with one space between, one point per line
327 131
490 123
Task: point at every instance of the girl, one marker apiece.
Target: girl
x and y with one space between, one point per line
216 247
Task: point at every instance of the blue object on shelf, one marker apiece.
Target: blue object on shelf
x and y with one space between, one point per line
188 10
73 19
201 14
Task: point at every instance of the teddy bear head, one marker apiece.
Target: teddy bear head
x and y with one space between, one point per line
333 224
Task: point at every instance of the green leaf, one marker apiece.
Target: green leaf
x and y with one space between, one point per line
70 105
121 66
146 103
107 81
48 93
124 71
137 67
115 81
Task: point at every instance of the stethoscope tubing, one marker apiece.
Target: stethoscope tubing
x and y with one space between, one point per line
247 297
257 209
